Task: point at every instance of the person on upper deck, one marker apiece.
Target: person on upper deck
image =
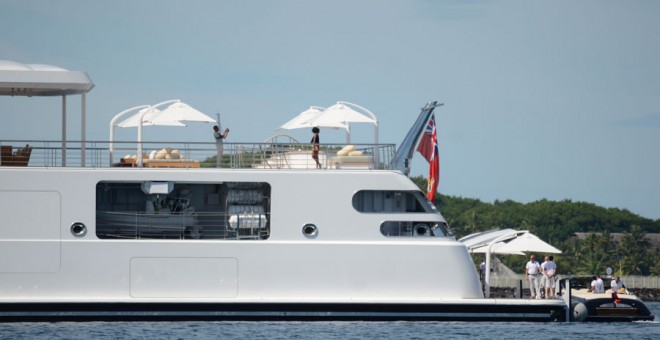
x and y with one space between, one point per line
219 139
315 146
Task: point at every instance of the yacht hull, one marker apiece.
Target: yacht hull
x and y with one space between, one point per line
476 310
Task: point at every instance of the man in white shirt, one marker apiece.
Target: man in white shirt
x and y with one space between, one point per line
595 285
616 285
533 273
600 286
542 283
550 271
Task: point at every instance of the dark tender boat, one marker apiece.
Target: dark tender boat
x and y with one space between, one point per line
609 306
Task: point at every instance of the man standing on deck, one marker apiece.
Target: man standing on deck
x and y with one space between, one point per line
532 273
219 138
550 271
542 283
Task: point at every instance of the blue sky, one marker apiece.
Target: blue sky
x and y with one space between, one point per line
543 99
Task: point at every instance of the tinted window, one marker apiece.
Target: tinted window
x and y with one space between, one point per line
389 201
175 210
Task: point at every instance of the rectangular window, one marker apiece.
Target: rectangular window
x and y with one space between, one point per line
182 210
389 201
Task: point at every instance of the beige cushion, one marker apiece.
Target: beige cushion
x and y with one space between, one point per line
349 148
346 150
161 154
175 154
355 153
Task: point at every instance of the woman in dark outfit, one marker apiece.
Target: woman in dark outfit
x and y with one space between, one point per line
315 146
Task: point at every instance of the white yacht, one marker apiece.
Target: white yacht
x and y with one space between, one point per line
89 241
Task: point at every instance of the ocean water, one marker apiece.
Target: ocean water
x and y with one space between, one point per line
334 330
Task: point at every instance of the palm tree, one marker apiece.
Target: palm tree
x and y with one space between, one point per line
598 252
633 247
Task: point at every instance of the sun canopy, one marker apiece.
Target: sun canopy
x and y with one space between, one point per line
528 242
305 119
176 114
477 240
340 115
30 80
180 112
148 119
508 242
18 79
495 249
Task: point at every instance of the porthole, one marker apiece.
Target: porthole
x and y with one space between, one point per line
78 229
310 230
421 229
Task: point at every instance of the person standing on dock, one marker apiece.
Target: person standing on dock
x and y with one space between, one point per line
550 271
533 274
542 283
219 139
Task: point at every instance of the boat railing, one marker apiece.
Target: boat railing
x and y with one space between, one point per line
165 154
631 281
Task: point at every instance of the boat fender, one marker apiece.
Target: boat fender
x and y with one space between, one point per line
579 312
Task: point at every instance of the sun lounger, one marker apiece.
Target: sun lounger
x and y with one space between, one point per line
19 158
160 163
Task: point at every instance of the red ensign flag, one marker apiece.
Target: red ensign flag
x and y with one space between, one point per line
428 147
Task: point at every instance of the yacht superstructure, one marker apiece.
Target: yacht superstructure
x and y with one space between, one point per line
175 240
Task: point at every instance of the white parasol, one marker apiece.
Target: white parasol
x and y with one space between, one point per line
150 113
180 112
303 119
528 242
174 115
495 249
340 115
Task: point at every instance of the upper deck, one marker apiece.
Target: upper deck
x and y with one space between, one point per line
282 153
43 80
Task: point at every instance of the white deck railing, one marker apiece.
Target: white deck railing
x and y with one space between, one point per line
193 154
631 281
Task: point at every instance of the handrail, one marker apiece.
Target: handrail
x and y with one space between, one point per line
46 153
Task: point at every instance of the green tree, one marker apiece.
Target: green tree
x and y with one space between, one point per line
633 247
597 253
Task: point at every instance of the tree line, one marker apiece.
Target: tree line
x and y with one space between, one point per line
556 222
